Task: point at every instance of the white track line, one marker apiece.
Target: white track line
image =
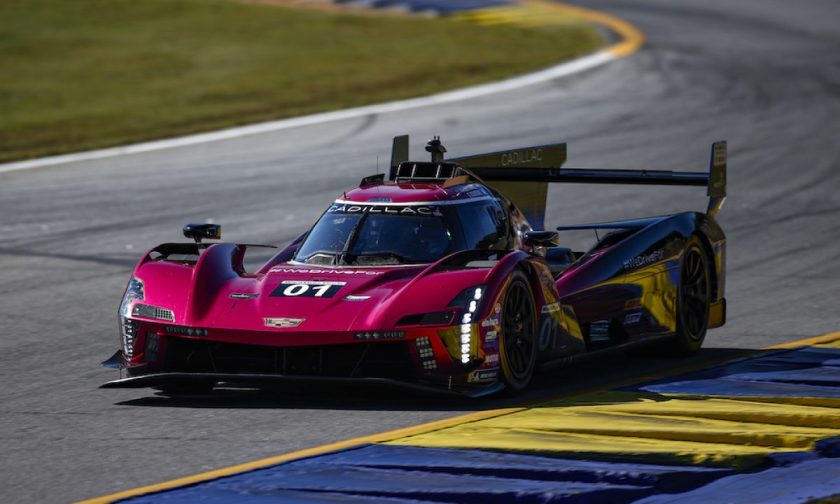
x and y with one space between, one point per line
557 71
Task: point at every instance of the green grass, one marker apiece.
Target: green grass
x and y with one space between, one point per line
85 74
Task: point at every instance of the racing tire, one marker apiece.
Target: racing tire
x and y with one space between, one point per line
693 300
517 341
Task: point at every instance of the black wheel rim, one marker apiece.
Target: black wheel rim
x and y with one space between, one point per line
694 293
518 324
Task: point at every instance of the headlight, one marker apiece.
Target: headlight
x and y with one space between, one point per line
128 327
134 292
469 300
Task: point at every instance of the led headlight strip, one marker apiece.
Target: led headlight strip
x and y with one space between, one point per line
466 324
128 328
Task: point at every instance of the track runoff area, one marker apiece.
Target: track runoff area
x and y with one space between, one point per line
765 428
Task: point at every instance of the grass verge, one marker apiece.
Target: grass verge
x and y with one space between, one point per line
87 74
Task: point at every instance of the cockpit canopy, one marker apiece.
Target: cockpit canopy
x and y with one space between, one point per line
384 233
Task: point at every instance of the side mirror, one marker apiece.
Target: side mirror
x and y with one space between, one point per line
200 232
542 238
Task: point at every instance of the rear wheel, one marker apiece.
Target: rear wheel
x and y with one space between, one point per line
517 348
693 300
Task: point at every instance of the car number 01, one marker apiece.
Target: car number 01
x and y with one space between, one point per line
292 288
301 289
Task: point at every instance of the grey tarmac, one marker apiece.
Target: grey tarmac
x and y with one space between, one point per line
762 74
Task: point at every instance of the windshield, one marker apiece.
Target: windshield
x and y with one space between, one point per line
383 234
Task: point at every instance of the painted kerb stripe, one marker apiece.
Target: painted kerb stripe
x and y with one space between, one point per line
426 428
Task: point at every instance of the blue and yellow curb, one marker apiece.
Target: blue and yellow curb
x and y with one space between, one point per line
545 13
745 425
522 13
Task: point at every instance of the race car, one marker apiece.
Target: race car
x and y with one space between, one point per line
441 278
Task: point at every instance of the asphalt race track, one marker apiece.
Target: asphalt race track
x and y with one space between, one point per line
764 75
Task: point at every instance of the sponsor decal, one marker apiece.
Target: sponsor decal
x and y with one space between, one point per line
483 375
633 318
244 295
426 211
491 359
521 156
310 271
632 304
719 154
491 322
599 331
644 260
304 288
283 322
498 308
490 336
551 308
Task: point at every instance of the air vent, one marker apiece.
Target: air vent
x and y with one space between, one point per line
427 172
153 312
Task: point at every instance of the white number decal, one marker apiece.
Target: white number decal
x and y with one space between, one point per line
307 288
320 290
295 290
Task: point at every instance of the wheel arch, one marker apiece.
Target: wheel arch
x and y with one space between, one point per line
497 278
710 256
714 244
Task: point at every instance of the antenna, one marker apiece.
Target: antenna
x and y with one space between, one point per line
377 164
436 148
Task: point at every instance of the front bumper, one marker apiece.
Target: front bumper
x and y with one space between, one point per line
419 362
423 357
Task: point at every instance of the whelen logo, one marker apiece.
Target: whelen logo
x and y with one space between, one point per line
310 271
283 322
644 260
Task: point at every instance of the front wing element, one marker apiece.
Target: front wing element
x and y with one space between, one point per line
238 380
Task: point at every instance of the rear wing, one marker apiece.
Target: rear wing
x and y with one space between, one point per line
523 174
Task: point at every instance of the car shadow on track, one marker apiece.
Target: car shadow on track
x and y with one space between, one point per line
610 371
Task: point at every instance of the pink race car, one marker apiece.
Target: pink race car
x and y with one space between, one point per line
440 279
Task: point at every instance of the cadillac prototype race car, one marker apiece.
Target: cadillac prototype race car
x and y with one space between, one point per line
440 278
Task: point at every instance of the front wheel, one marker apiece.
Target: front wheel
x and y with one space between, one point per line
693 300
517 348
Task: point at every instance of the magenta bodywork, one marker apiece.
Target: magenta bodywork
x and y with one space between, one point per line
192 312
211 298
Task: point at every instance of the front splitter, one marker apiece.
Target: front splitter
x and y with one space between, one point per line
237 380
